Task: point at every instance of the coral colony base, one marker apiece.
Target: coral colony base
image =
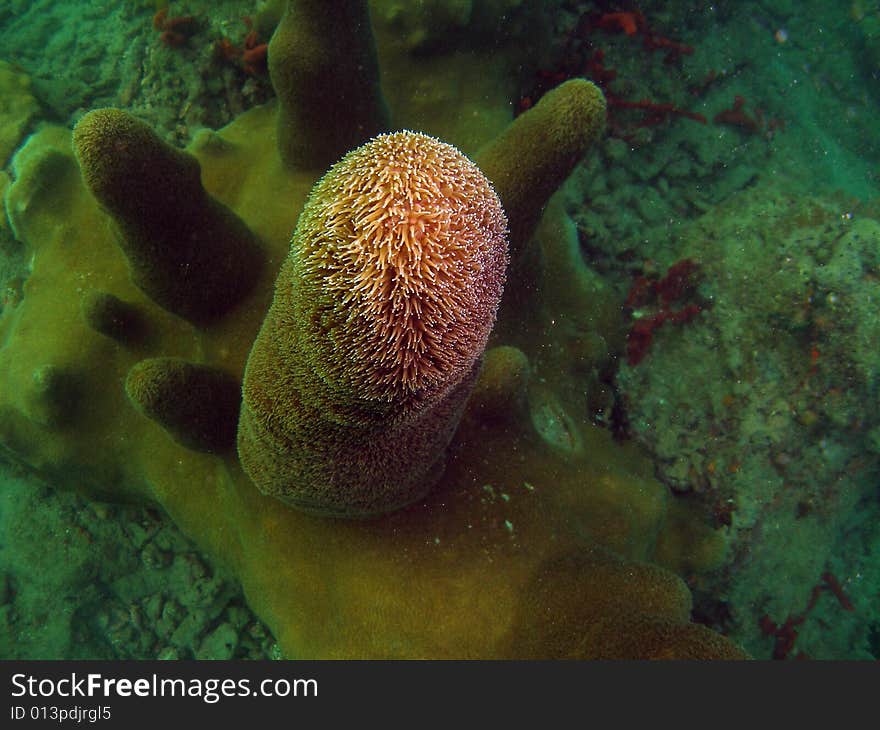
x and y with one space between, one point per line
499 524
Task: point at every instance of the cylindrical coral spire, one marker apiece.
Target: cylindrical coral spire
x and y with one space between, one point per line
381 312
530 159
186 250
328 102
196 404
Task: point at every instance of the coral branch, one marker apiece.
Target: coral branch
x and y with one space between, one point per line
315 84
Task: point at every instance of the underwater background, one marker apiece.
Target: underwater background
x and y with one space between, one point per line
729 236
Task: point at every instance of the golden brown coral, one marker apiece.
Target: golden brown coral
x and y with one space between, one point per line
601 607
529 160
359 375
330 102
196 404
501 393
54 396
187 251
114 318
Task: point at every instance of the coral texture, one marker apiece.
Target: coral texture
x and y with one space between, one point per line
634 611
187 251
315 83
502 385
109 315
533 156
360 372
196 404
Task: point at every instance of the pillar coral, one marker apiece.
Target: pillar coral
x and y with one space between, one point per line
519 550
323 65
382 309
187 251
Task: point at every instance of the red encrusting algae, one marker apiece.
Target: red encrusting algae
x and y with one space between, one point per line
680 283
786 634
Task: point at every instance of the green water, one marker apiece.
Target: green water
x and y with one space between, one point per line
741 137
